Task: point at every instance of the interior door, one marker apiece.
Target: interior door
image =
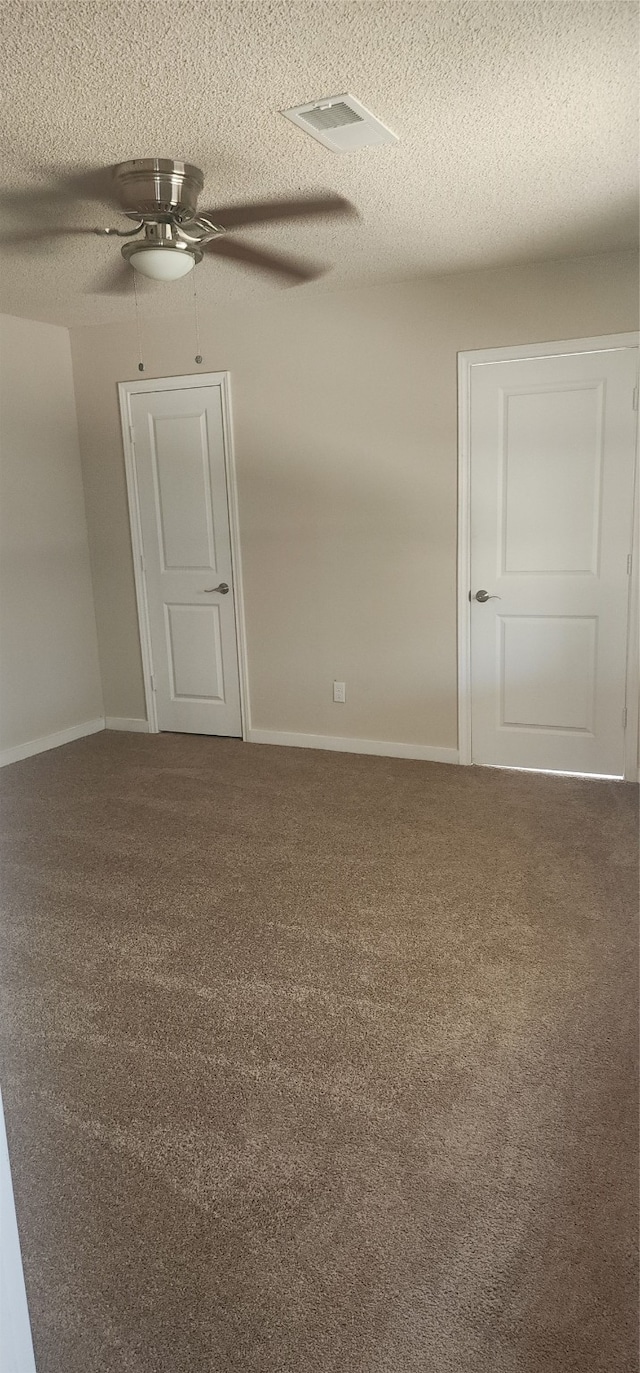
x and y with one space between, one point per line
552 443
178 441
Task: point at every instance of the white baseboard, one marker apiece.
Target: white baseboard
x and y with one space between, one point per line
17 1354
63 736
121 722
424 752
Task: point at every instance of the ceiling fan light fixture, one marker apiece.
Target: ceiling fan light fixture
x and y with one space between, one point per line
159 261
161 196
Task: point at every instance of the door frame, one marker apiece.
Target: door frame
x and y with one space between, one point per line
482 357
127 389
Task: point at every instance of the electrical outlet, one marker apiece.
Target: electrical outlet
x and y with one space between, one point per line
340 691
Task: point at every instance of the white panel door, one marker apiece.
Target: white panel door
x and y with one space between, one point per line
178 441
552 443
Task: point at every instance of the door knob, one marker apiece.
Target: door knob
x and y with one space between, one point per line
222 588
483 596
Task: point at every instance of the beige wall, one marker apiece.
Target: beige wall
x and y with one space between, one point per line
345 435
49 677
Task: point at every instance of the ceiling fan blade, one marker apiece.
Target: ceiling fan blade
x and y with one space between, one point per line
96 183
117 279
266 211
20 236
93 184
277 263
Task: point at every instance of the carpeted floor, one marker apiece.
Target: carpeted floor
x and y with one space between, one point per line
316 1063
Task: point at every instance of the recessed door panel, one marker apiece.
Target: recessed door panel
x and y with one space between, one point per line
181 470
551 458
195 652
547 671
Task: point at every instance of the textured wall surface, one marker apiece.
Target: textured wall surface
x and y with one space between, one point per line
49 678
516 124
345 425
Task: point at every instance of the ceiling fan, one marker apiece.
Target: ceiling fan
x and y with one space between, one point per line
170 235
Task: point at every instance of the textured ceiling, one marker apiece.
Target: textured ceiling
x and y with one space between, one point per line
516 122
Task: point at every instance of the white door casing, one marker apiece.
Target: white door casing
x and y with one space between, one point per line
176 442
551 451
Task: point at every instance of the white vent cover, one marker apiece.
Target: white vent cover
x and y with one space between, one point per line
341 123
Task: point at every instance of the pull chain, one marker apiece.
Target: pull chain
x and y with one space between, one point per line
197 321
138 331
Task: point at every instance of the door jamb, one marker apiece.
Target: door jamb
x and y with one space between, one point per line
127 389
632 694
483 357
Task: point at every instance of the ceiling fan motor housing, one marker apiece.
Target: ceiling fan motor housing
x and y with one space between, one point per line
156 187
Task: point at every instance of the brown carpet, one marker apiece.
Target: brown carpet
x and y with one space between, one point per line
317 1063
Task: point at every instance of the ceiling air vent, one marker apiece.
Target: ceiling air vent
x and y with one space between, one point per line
341 123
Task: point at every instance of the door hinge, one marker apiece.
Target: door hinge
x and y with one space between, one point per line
132 435
635 398
152 680
629 563
624 717
142 563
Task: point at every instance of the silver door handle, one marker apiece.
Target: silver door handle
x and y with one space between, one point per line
222 588
483 596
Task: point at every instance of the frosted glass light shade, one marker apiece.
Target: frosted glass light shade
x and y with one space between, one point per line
162 264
